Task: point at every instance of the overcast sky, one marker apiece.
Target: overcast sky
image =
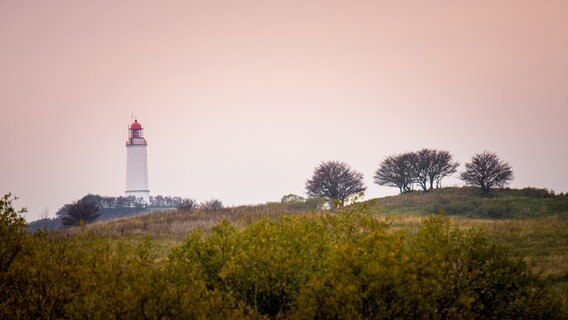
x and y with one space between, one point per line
240 100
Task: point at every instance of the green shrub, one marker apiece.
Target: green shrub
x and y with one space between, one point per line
496 209
442 273
536 192
12 232
559 205
348 266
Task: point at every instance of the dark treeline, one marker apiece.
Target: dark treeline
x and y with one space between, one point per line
121 202
109 208
106 202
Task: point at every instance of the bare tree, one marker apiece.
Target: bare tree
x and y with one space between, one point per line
397 171
187 205
335 182
423 163
486 170
212 205
79 211
444 166
431 166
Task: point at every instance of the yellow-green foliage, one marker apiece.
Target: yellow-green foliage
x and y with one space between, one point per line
85 277
12 232
349 266
346 265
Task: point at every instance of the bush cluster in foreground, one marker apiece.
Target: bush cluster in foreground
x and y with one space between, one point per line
315 266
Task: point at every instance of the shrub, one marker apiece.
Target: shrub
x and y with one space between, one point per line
495 209
187 205
212 205
536 192
349 266
12 232
559 205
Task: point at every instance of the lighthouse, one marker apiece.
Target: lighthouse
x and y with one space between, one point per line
137 163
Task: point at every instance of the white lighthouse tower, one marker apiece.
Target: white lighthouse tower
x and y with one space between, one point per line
137 163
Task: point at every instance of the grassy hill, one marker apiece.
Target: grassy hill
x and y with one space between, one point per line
521 218
501 203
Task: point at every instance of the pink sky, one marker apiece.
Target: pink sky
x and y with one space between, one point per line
240 100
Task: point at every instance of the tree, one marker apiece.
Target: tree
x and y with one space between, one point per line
431 166
93 198
335 182
444 166
486 170
397 171
187 204
79 211
426 168
212 205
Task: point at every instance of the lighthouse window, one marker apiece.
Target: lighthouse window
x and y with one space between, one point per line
135 133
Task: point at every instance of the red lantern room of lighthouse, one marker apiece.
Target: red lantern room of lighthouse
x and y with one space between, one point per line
135 134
